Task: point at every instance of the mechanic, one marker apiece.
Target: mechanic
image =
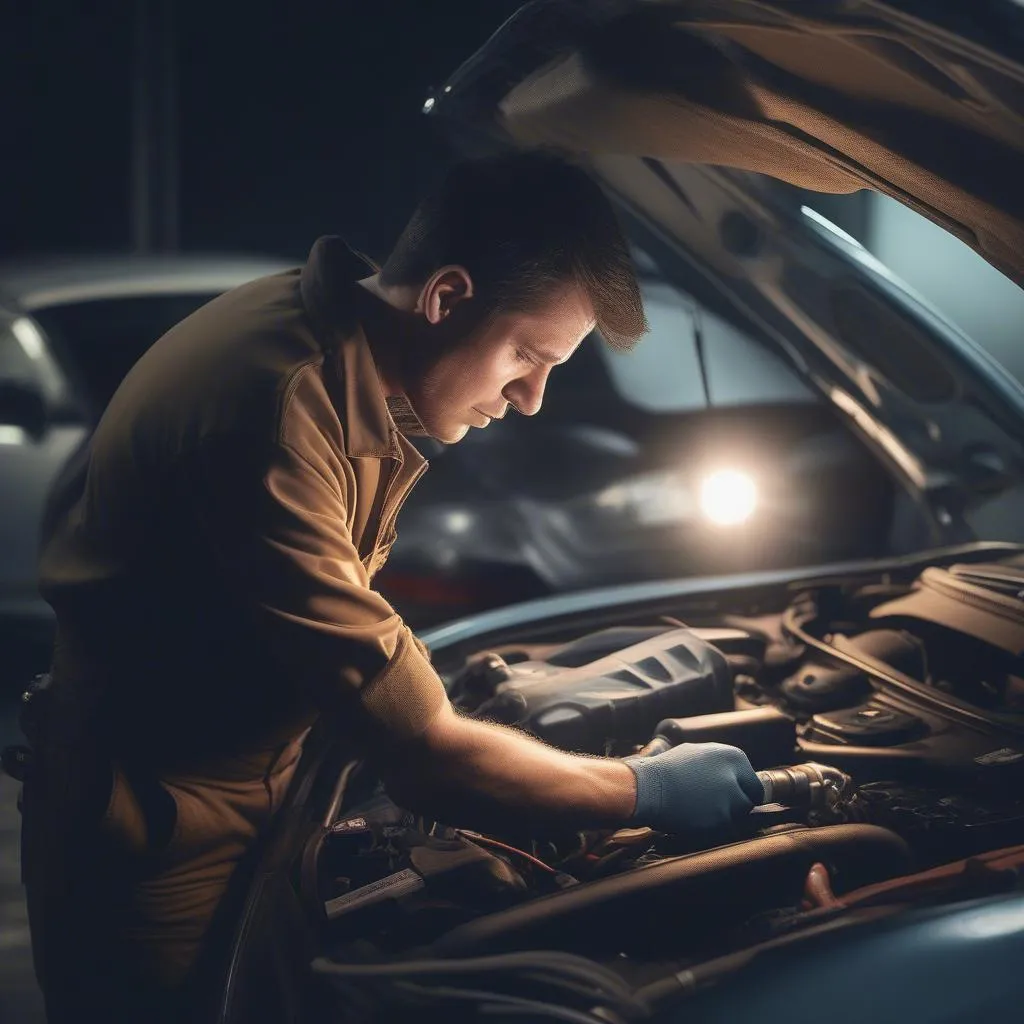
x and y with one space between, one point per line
210 564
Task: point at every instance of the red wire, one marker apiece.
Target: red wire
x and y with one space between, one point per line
488 841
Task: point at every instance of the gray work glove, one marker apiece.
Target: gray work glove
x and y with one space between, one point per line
694 787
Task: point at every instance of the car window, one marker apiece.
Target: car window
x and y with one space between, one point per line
663 373
103 338
743 372
26 358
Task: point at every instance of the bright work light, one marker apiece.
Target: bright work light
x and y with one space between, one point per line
728 497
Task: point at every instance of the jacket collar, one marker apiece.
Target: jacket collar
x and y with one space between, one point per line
373 423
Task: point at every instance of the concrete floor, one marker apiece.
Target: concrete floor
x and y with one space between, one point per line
20 1000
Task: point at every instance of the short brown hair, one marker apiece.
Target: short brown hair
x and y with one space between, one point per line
521 223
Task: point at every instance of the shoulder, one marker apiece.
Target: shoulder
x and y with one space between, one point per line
307 419
223 370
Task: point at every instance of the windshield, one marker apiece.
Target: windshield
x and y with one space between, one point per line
692 358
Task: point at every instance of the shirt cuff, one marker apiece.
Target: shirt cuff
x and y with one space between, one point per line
407 695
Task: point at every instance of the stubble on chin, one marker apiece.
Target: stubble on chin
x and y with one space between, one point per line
442 399
455 438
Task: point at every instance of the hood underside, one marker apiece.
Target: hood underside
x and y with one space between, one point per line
833 96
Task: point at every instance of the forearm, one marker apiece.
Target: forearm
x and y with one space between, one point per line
464 772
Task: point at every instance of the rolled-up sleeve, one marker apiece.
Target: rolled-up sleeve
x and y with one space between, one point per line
277 527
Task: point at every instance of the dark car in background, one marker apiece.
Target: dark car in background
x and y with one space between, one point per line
70 328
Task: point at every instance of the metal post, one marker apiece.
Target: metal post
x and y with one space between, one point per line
154 211
169 177
142 143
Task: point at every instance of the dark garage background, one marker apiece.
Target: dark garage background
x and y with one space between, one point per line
262 125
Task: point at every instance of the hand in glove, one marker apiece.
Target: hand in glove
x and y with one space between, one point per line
694 786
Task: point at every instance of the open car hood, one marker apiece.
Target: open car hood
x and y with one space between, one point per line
921 101
673 105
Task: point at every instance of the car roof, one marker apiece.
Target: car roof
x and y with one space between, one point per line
38 282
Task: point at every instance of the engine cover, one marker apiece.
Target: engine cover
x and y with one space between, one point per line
611 701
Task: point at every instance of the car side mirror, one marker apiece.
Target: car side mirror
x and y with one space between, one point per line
23 404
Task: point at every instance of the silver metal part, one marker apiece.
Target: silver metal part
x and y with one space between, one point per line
810 786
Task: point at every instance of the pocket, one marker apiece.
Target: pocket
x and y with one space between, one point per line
141 816
215 819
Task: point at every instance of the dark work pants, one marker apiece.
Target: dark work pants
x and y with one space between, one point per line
124 878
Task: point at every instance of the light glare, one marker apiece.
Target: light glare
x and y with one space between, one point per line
28 337
11 434
458 521
728 497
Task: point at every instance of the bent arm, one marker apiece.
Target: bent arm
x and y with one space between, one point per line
276 524
469 772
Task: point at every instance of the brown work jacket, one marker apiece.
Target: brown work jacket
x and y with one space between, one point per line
211 566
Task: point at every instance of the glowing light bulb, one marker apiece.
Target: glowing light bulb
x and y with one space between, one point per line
728 497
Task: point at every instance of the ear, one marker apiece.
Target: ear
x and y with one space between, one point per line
444 290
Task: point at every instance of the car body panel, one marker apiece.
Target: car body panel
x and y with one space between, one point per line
452 639
931 965
33 284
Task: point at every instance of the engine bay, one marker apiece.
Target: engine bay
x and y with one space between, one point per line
887 724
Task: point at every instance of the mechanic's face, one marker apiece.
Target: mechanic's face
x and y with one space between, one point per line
501 363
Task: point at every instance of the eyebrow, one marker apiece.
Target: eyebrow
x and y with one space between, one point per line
547 357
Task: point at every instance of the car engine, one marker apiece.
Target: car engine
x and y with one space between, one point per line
883 715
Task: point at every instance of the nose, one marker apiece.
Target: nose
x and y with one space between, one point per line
526 394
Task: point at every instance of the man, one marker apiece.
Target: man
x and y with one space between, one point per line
211 569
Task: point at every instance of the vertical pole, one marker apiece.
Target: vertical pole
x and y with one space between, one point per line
142 141
154 211
169 178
